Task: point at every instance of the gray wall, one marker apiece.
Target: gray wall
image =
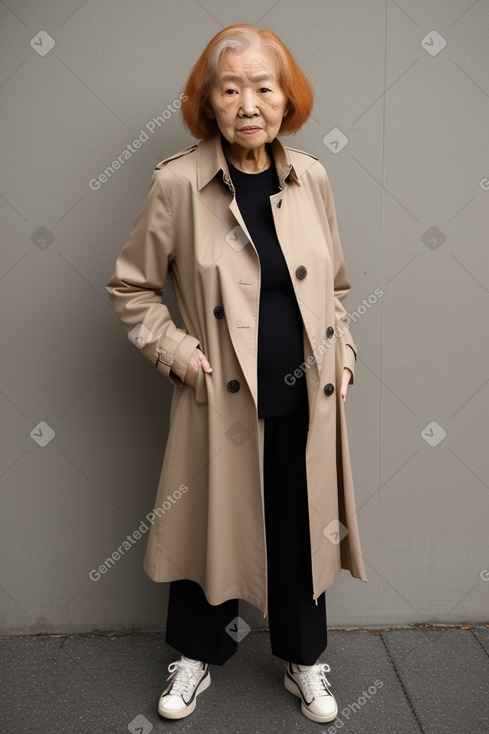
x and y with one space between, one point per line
412 193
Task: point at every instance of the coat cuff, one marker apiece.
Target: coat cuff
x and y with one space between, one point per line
172 360
349 358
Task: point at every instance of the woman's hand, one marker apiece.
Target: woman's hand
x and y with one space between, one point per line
197 361
347 375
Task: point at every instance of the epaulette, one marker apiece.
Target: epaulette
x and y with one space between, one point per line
173 157
296 150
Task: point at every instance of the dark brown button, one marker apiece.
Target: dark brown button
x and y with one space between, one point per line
329 389
218 312
301 272
279 203
329 332
233 386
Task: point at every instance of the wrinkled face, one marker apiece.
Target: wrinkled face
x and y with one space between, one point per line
246 99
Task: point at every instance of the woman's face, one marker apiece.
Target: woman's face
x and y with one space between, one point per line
246 98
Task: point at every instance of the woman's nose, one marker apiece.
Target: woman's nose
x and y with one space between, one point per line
248 103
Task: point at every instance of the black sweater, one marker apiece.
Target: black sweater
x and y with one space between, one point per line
280 328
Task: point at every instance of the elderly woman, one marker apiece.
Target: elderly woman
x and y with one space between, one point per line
255 499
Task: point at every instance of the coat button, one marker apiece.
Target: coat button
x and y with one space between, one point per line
301 272
329 389
329 332
218 312
279 203
233 386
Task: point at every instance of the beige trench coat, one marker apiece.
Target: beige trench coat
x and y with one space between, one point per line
208 521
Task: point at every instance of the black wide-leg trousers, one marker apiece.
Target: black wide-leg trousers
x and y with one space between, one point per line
297 624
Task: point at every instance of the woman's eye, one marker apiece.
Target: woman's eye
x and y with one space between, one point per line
265 89
230 91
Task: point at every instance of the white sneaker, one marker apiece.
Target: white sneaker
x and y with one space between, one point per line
310 684
187 679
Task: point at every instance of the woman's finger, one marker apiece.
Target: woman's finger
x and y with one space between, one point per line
345 382
204 362
205 365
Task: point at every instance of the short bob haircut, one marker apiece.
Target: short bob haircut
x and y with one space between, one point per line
237 38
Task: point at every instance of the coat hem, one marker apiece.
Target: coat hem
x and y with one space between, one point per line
213 598
238 593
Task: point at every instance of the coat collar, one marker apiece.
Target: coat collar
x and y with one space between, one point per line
211 161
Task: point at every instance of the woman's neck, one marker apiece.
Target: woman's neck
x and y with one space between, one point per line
254 160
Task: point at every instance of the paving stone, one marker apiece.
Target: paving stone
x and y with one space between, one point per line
394 682
445 673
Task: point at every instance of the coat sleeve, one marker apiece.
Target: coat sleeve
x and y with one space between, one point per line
136 287
341 283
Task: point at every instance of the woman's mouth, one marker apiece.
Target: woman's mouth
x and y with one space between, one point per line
249 130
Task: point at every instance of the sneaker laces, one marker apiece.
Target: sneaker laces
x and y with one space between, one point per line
314 682
184 675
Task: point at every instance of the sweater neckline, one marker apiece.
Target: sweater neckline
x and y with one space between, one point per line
242 180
